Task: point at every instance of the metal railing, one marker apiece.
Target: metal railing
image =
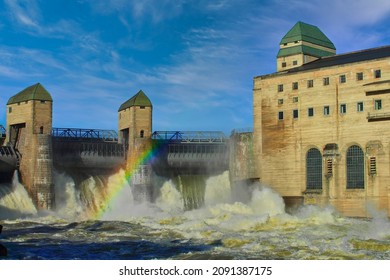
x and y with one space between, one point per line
85 134
2 131
190 136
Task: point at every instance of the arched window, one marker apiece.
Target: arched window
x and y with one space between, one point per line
355 168
313 169
141 134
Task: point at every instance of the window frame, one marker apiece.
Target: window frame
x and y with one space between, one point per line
326 110
355 168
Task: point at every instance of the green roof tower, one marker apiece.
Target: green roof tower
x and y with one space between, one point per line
302 44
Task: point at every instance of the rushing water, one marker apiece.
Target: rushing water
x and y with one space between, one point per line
223 228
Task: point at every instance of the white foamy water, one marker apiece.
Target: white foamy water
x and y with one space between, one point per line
15 200
224 227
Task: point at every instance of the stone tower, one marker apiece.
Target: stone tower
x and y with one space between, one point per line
135 131
29 126
302 44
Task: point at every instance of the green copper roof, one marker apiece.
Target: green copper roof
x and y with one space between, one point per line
308 33
303 49
140 99
34 92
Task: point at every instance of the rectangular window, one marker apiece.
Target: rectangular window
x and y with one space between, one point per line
372 165
295 85
280 88
359 76
280 101
360 107
9 109
295 99
326 111
326 81
378 104
280 115
343 108
343 79
142 107
295 62
284 64
295 113
377 73
43 101
310 112
310 83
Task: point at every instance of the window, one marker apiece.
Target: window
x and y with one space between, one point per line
313 169
326 111
310 83
355 168
280 101
329 168
377 74
280 88
295 113
141 134
295 99
9 109
280 115
142 107
310 112
326 81
43 101
343 79
295 62
343 108
360 107
378 104
41 130
284 64
372 166
359 76
295 85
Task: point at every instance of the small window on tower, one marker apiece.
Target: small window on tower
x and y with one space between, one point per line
141 134
284 64
142 107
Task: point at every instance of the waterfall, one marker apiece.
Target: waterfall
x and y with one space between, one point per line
15 201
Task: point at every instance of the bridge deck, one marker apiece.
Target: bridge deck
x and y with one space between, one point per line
190 136
83 134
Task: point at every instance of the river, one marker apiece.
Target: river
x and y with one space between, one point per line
85 226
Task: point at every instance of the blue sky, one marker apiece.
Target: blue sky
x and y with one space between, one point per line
195 59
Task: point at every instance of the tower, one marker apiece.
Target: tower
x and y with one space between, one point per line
135 131
135 119
302 44
29 126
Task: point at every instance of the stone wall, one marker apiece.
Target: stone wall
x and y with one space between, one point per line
281 146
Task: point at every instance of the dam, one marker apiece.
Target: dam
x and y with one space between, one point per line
36 149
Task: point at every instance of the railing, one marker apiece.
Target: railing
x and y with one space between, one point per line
85 134
190 136
2 131
378 116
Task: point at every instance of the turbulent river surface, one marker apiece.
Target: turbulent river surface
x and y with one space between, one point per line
225 227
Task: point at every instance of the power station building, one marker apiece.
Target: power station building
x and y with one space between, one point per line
322 124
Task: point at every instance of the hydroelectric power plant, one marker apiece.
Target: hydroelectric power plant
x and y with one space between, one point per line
37 150
275 193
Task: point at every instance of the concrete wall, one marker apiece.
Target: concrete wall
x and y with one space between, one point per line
281 145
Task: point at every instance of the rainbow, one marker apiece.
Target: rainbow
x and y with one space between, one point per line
146 156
